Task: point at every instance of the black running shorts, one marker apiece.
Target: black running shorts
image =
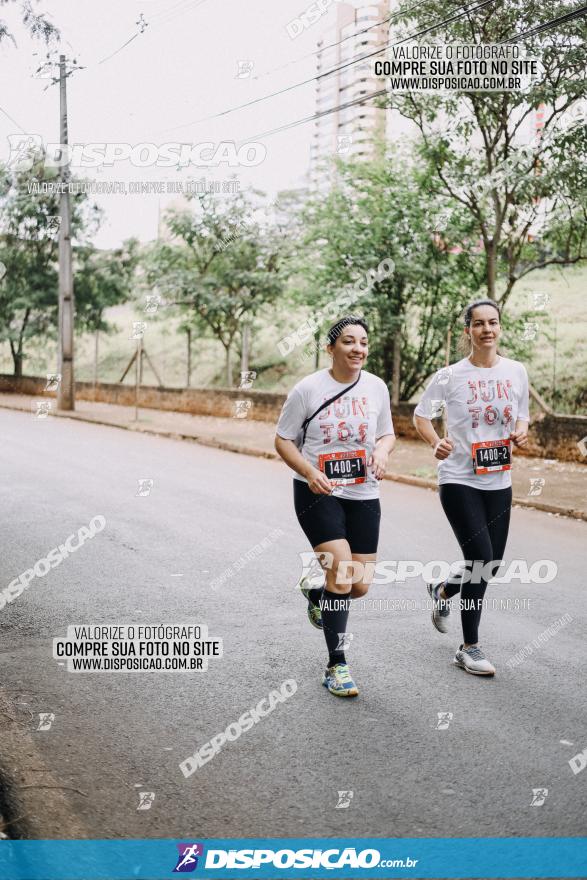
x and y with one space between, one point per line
328 518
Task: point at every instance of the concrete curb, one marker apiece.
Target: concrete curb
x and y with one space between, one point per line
518 502
35 805
240 449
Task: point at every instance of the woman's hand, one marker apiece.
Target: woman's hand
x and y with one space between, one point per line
519 438
443 449
318 483
378 462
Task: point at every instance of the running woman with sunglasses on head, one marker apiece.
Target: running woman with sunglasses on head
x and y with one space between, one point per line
484 398
335 431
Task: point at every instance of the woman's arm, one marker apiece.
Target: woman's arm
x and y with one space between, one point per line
289 452
424 427
381 452
520 435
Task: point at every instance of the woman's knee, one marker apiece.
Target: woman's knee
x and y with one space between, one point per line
358 590
482 570
345 574
339 576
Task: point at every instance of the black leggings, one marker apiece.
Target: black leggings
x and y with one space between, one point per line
480 519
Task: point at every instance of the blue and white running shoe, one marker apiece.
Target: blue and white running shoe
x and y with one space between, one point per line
339 682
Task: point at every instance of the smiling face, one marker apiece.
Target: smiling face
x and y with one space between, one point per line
484 329
350 349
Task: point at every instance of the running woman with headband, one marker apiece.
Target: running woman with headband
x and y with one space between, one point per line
485 400
335 431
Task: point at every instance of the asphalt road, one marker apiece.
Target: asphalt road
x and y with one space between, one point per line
116 734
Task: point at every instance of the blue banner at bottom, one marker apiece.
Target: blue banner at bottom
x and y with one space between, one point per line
304 858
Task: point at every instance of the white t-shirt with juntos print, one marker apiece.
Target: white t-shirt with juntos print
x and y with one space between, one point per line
479 403
355 421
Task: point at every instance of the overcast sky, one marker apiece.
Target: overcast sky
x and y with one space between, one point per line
183 67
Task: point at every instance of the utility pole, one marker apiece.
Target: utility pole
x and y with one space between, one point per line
66 392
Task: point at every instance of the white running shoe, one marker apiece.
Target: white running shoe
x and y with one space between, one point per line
473 660
440 609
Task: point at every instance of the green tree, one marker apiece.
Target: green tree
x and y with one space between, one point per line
523 198
380 211
219 268
29 224
102 279
35 23
29 227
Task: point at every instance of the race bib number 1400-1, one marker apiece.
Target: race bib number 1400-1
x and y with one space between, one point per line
344 468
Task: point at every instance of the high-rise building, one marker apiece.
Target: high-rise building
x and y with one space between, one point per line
354 130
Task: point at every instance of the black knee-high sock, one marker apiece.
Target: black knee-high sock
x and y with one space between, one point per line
335 614
315 595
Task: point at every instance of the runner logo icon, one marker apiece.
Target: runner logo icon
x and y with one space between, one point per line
188 857
539 795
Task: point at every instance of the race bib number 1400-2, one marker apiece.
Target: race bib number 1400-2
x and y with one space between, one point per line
491 455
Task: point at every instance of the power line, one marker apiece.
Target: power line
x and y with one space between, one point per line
164 17
546 25
343 40
561 19
355 102
164 13
116 51
8 116
41 71
171 15
191 4
334 69
325 48
174 11
399 13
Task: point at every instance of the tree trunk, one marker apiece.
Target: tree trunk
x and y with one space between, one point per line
96 349
228 367
189 364
387 350
246 344
491 256
396 367
317 350
17 359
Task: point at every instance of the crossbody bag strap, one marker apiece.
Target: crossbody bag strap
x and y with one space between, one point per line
326 403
